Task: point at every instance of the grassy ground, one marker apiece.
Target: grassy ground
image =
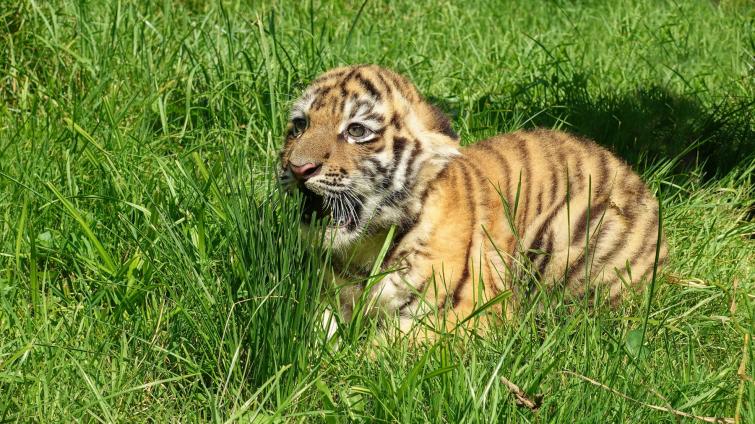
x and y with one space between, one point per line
149 271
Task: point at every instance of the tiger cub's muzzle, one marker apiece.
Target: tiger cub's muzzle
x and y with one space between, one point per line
306 171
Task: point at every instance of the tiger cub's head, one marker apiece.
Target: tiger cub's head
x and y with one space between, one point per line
360 144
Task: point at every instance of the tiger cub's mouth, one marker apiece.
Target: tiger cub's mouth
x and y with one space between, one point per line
339 209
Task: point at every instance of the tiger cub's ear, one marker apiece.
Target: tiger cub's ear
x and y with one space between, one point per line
440 122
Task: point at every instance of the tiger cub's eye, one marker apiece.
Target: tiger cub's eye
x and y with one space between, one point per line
298 125
356 130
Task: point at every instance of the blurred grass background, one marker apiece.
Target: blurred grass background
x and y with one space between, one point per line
149 270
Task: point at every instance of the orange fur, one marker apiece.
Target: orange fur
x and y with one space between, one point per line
518 210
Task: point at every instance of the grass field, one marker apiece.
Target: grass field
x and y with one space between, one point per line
149 270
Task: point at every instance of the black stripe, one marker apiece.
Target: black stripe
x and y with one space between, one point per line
423 196
631 209
317 104
342 100
576 175
401 254
387 86
597 208
579 175
610 254
328 76
650 238
320 98
395 198
413 156
357 106
442 175
484 215
367 171
348 76
368 86
374 116
402 85
527 185
526 180
548 254
336 105
372 147
420 288
493 277
399 144
465 271
409 302
396 80
342 85
537 244
554 187
537 241
357 211
504 165
378 166
554 168
401 232
319 90
597 183
604 184
441 123
396 122
590 250
588 216
479 176
422 253
574 268
464 275
539 207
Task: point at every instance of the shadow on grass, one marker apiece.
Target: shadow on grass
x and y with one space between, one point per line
646 125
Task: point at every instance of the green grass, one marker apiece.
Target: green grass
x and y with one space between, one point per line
150 271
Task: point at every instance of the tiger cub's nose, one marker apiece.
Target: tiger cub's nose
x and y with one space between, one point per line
306 171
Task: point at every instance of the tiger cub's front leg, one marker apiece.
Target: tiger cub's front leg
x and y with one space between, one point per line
396 295
399 294
427 286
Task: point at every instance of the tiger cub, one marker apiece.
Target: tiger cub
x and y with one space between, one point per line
531 208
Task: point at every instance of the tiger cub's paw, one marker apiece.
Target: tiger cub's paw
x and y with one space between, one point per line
329 323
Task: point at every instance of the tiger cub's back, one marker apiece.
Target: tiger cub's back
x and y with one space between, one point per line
564 210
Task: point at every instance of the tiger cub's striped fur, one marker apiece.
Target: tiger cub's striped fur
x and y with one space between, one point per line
368 152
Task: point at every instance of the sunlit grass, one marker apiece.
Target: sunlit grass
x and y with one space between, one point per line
150 270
